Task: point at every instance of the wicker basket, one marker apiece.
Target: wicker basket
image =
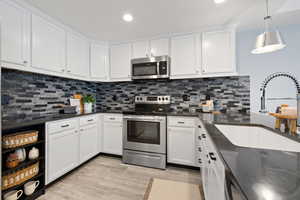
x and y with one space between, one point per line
20 176
19 139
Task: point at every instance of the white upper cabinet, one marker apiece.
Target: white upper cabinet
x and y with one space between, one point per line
48 45
99 61
157 47
140 49
218 50
160 47
184 56
15 35
77 55
120 62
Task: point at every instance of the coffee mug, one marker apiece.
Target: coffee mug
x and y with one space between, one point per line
13 195
30 187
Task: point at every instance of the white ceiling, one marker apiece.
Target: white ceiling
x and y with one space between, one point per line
102 19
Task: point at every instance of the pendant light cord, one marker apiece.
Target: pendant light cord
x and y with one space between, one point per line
267 6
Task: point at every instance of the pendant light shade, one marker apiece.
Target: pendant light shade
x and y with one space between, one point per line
270 40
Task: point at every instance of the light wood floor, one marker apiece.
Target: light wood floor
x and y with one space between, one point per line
106 178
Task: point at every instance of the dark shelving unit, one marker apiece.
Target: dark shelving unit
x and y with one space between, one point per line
40 144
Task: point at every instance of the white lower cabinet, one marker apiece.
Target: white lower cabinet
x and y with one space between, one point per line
212 169
70 143
182 141
112 135
88 142
62 153
181 145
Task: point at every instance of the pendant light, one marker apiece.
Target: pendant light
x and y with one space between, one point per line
270 40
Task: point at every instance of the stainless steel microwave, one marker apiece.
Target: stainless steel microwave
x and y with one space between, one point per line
150 68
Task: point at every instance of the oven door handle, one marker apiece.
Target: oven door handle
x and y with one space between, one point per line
149 119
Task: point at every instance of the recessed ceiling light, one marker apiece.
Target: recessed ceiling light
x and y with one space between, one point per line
127 17
220 1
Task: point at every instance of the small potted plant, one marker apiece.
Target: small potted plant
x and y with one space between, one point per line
88 101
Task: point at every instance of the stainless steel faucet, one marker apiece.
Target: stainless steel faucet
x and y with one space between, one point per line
264 86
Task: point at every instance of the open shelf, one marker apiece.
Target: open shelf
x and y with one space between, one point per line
4 151
24 164
41 146
17 186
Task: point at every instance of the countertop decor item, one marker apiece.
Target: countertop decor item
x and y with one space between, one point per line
270 40
19 139
20 176
88 101
291 124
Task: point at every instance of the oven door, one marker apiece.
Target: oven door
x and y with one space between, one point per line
145 133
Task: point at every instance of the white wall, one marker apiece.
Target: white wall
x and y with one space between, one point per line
260 66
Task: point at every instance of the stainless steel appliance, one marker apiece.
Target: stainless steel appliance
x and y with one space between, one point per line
145 132
150 68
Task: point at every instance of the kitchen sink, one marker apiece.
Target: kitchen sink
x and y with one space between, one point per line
257 137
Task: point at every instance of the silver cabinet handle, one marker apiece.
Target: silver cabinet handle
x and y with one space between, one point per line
212 156
90 120
112 118
180 122
25 62
68 70
64 126
62 70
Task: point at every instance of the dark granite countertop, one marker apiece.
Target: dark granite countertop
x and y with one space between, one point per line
29 120
261 174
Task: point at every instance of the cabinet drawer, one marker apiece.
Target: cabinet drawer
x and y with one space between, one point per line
181 121
88 120
58 126
113 118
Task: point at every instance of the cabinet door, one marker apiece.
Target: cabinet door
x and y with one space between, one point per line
159 47
48 45
100 133
88 142
215 188
184 57
15 34
120 62
218 52
181 145
140 49
99 61
62 153
77 56
112 138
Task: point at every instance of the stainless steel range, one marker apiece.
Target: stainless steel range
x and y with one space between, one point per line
145 132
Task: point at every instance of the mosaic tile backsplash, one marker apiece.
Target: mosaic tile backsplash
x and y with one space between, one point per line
35 94
228 93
